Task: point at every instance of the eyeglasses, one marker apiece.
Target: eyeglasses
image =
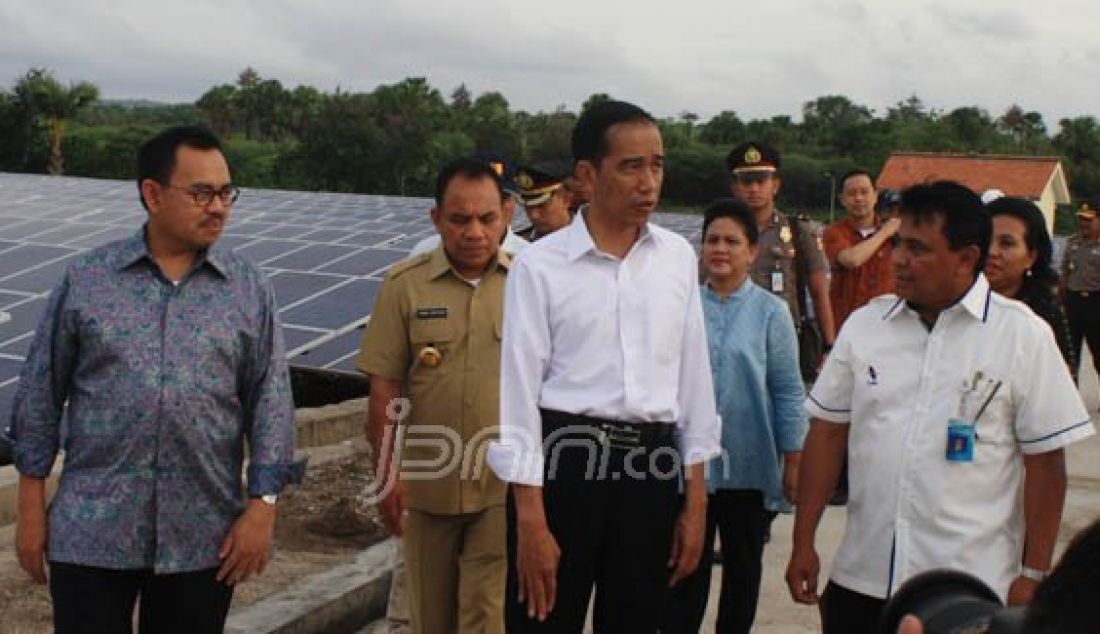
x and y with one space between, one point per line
204 195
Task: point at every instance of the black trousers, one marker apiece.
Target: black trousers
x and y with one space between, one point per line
1083 314
844 611
101 601
612 512
739 517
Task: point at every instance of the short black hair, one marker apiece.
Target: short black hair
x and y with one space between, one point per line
965 221
852 173
157 156
590 133
736 210
466 167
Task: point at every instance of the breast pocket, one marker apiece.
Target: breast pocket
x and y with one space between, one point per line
994 424
432 343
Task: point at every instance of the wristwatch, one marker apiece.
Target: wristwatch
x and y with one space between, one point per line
269 499
1032 573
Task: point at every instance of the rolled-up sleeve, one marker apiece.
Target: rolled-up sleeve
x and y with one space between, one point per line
525 350
271 436
785 382
699 426
43 388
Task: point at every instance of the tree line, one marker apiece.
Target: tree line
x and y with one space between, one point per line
392 139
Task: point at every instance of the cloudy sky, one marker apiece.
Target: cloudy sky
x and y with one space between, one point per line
758 58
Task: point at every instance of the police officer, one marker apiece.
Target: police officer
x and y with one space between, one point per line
434 338
784 240
546 199
1080 281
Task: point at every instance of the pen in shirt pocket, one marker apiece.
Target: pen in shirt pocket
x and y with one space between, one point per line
988 400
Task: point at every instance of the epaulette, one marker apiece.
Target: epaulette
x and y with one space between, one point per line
408 263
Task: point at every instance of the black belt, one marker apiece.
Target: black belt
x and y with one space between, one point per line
1085 294
618 434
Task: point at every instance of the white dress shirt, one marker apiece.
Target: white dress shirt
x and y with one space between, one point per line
512 243
897 383
588 333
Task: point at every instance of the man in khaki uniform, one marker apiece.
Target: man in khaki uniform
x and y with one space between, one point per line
434 338
1079 285
754 172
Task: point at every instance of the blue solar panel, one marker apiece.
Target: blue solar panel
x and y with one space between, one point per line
336 307
326 255
9 368
372 261
7 393
291 286
310 257
336 354
262 250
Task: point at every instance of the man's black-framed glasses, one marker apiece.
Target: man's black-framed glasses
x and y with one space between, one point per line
204 195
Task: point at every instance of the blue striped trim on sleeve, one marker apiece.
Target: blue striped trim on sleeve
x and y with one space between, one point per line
1057 433
828 409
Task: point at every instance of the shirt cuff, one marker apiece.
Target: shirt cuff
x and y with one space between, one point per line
825 413
515 464
34 460
1057 440
697 448
269 479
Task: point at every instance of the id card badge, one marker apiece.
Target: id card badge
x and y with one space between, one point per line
960 440
777 281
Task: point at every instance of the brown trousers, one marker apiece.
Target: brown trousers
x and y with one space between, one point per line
456 568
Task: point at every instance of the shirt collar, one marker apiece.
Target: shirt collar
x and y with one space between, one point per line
975 301
739 292
136 248
439 263
579 239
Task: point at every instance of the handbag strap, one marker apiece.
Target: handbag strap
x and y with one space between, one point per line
801 266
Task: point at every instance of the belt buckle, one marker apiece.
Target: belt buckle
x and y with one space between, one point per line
622 437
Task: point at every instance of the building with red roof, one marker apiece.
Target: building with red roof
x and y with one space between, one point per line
1039 179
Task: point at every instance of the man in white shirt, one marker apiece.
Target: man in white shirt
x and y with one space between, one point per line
604 356
943 397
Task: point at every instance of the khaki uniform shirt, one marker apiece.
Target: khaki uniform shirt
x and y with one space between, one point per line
1081 264
455 405
777 252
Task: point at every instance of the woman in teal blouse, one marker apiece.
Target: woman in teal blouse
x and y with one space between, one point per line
759 393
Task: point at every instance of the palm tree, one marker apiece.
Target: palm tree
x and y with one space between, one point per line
55 103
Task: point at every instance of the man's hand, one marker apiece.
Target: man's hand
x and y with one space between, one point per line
30 543
890 227
247 548
537 556
910 625
1021 591
802 573
687 541
392 505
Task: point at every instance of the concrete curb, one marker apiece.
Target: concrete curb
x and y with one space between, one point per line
342 599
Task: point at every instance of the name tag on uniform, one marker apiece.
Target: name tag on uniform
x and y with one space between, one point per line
960 440
431 313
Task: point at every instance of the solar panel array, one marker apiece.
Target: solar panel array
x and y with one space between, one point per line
325 253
